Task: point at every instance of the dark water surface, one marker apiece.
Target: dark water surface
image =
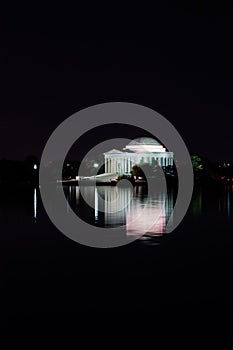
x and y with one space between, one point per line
131 208
45 273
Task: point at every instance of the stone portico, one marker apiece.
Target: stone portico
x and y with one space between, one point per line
139 151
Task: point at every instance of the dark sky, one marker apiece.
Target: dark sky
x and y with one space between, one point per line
183 70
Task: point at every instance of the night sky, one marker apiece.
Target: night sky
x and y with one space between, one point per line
183 70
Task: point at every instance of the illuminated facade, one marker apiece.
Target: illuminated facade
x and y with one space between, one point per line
139 151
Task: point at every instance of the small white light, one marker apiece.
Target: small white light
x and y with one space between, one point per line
35 167
95 165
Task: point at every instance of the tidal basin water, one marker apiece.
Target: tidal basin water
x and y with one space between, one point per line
44 271
127 207
137 212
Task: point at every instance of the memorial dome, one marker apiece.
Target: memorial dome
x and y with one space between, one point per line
144 141
144 145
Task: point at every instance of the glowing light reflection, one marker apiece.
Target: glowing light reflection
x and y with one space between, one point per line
35 204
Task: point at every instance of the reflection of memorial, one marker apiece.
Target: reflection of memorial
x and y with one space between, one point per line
147 214
114 207
117 202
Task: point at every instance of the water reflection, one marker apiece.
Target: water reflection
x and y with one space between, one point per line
212 201
141 213
211 206
114 207
35 204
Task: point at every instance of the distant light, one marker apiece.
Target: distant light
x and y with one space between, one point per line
67 164
228 164
35 167
95 165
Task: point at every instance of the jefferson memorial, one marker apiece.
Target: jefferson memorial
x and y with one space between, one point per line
139 151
